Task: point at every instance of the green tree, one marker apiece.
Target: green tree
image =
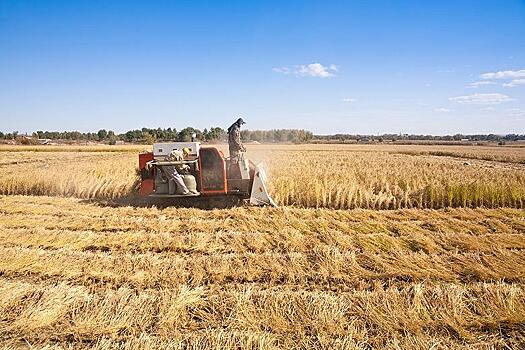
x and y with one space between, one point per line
215 134
185 134
148 138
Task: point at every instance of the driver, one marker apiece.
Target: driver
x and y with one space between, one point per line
172 172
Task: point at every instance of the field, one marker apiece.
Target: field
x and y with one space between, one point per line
82 266
331 176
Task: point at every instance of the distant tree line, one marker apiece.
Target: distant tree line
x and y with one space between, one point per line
151 135
148 136
414 137
277 135
217 134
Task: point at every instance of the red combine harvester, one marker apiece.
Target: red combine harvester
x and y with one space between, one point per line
214 180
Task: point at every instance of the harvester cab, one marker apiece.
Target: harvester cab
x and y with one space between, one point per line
208 175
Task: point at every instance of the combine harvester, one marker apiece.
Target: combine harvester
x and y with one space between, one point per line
214 180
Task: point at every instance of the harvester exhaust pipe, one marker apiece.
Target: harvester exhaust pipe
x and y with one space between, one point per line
259 195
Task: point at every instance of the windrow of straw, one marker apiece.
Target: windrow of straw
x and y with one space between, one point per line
76 275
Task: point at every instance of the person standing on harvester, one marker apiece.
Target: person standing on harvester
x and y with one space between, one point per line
234 140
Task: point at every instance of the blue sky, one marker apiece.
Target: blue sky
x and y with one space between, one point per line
439 67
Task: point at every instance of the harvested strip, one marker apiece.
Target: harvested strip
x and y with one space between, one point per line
258 242
453 313
319 266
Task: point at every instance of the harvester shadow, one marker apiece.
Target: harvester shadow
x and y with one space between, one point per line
206 203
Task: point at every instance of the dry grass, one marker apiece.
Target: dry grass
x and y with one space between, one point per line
332 176
498 154
80 275
75 274
82 174
74 148
376 180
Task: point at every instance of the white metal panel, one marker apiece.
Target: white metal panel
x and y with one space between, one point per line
161 150
245 169
259 195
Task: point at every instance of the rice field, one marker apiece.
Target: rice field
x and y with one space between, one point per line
328 176
444 268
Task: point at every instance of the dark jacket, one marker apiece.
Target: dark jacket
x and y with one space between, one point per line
234 137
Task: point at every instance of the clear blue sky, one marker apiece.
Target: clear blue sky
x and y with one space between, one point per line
437 67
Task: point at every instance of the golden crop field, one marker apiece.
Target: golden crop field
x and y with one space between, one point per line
443 268
331 176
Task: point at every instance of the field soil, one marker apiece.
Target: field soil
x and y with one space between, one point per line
82 266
